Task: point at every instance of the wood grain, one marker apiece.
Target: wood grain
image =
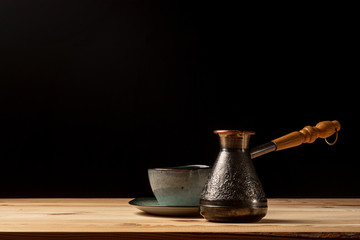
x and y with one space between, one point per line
115 219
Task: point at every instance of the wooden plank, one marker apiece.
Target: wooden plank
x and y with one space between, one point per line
176 236
114 218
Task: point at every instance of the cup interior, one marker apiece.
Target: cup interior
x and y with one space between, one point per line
189 167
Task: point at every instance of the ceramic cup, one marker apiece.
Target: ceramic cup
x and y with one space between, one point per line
179 186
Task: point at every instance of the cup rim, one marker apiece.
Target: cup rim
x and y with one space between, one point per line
194 167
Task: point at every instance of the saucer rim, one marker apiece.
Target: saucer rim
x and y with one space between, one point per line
132 202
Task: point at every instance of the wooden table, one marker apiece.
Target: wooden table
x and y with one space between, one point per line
116 219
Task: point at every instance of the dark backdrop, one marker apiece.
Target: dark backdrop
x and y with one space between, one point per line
93 93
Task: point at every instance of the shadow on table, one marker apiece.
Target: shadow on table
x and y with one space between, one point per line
164 216
197 218
279 221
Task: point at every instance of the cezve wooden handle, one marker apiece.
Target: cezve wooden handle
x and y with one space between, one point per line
307 135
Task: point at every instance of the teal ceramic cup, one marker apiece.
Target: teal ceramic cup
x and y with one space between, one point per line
179 186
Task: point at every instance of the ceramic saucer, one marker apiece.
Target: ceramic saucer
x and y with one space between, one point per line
150 205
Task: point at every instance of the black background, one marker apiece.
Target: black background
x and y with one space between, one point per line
93 93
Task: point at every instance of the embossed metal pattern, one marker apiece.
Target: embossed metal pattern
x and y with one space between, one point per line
233 192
